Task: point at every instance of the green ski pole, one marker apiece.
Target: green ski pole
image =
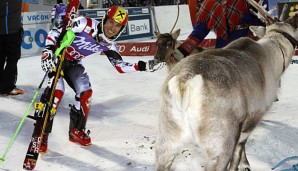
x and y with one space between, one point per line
23 119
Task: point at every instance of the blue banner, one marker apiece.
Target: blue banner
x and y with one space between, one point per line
139 22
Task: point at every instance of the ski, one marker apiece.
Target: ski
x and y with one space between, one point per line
43 109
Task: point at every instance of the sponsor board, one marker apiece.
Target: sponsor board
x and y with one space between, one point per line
149 48
139 23
36 26
33 40
137 48
36 17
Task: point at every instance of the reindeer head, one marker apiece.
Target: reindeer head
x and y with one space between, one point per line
288 28
293 21
280 32
166 43
165 46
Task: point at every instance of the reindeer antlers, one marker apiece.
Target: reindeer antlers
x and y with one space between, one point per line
176 18
154 18
268 19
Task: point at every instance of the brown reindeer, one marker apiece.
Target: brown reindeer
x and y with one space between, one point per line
166 44
216 98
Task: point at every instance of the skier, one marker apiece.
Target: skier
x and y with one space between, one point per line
91 37
229 19
57 14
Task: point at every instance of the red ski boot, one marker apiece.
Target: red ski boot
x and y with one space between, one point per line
44 144
80 137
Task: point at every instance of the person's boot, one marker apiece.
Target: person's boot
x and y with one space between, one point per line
16 91
77 127
80 136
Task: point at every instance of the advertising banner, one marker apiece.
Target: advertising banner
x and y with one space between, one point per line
149 48
36 27
139 22
140 25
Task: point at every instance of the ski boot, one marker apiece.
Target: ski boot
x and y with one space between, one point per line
80 136
77 127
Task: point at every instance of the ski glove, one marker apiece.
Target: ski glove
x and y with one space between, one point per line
151 65
48 60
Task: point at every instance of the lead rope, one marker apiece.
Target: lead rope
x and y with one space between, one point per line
293 168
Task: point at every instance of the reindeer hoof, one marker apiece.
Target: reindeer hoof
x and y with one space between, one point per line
244 168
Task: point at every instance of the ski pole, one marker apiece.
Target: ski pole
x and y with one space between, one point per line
23 119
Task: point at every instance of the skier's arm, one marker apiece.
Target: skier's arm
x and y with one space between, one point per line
53 37
125 67
120 65
48 60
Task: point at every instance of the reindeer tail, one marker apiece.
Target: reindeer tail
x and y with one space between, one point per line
185 92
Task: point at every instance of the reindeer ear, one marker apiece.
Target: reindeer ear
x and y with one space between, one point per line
176 33
258 31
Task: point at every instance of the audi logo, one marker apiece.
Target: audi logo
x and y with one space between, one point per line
121 48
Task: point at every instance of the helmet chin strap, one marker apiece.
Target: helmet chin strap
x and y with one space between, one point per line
104 37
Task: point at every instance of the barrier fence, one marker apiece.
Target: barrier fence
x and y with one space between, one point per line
140 27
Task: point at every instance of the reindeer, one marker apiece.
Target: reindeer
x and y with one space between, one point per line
215 98
166 44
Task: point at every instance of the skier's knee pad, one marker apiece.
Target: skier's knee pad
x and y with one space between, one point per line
58 94
78 118
85 99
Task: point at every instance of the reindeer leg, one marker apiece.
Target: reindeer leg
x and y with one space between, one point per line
239 155
244 164
219 144
218 158
167 145
239 161
248 126
165 153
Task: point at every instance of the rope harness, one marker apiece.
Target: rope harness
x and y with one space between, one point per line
293 168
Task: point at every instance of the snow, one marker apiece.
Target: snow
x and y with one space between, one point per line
123 122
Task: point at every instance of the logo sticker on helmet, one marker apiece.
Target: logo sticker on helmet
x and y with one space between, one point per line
118 14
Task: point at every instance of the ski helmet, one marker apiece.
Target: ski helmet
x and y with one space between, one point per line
118 14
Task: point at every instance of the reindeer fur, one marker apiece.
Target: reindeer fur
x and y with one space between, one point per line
215 99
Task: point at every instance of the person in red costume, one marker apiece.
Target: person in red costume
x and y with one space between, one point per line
229 19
